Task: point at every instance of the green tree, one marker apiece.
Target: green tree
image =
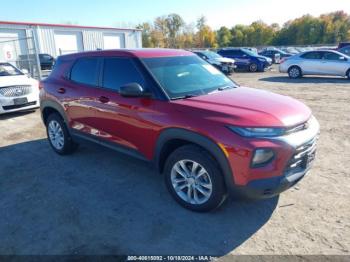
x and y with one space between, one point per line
205 37
224 37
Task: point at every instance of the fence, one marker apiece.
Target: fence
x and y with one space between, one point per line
21 52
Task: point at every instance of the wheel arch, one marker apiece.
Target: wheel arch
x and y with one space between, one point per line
295 65
49 107
347 73
173 138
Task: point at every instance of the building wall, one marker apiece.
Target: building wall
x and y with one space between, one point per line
92 38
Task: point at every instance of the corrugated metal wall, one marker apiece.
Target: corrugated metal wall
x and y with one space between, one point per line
92 38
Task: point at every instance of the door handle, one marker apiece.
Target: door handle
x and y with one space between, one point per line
61 90
104 99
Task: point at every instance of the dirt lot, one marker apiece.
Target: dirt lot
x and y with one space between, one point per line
101 202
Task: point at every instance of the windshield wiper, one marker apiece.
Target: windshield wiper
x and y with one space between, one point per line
222 88
183 97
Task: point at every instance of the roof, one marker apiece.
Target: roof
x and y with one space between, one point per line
64 25
140 53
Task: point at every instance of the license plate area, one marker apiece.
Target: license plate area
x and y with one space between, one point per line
20 101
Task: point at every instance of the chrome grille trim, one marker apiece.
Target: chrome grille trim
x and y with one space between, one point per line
15 91
299 158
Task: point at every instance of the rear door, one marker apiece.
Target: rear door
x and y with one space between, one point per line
79 94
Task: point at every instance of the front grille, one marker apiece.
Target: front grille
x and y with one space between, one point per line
18 106
15 91
302 157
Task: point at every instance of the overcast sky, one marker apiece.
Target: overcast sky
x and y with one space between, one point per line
131 12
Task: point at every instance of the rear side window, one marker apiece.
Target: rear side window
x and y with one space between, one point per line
120 71
312 55
85 71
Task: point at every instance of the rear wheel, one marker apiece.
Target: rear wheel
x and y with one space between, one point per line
294 72
194 179
58 135
253 67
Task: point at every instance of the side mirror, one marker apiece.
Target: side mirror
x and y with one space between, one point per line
133 90
342 58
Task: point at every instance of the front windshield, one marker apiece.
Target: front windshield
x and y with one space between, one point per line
211 54
187 76
7 69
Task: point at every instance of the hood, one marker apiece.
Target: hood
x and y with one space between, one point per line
249 107
16 80
225 60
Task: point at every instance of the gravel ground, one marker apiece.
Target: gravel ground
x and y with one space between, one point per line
101 202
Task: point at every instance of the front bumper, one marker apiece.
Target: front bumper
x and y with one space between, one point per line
295 156
269 187
7 104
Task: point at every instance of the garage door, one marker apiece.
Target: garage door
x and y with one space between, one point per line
68 42
12 44
113 41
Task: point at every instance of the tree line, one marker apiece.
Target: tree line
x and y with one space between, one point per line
171 31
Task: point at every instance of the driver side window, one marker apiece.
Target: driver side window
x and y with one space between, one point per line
120 71
331 56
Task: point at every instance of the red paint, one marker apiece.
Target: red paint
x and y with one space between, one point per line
136 123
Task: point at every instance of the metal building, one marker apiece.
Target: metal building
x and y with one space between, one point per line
21 42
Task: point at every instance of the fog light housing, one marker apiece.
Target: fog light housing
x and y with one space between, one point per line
262 157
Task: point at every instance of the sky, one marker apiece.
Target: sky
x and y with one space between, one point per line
128 13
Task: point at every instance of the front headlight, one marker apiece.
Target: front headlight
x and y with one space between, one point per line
262 59
258 131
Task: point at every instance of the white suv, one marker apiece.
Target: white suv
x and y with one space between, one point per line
17 90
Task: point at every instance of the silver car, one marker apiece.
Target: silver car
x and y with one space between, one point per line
325 62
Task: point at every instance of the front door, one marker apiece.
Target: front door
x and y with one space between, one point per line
119 119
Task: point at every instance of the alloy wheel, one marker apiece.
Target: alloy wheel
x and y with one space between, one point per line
56 134
294 72
191 182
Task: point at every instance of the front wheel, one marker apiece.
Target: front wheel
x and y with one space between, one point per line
294 72
253 67
194 179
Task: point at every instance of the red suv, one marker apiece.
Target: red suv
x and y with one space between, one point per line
204 133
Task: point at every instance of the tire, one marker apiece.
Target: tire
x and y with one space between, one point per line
206 178
58 135
253 67
294 72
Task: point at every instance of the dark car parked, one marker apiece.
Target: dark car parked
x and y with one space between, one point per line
275 54
345 50
246 59
344 44
46 61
